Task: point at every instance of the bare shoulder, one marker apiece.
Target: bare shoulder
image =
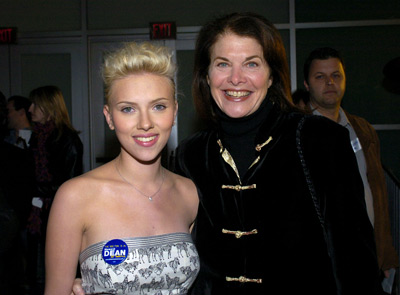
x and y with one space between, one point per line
185 188
183 183
185 192
85 186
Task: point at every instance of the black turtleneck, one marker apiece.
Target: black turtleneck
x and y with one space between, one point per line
238 134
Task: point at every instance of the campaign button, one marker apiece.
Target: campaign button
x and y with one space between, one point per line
115 252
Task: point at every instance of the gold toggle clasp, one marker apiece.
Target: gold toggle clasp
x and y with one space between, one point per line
243 279
260 146
238 234
239 187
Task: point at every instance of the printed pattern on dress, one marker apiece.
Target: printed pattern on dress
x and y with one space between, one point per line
164 264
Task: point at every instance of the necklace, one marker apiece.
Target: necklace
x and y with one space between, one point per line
131 184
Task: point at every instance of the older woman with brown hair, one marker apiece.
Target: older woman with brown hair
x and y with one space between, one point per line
281 201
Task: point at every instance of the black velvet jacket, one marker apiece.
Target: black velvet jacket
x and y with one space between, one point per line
294 223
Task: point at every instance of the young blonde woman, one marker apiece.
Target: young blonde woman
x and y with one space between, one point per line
129 220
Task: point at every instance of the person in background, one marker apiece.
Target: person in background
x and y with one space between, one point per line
131 203
57 152
3 116
325 80
16 188
272 218
301 98
19 121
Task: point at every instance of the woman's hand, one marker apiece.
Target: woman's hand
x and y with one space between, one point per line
77 288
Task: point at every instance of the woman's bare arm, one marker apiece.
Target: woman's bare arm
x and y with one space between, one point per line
64 237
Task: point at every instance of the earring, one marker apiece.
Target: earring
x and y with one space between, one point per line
111 124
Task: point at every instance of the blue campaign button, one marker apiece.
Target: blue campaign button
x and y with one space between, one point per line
115 252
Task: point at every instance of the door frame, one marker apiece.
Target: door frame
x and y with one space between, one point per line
79 101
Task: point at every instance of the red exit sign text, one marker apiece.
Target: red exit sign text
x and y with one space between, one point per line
164 30
8 35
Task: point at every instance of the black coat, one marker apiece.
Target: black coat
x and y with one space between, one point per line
298 212
65 161
17 185
65 158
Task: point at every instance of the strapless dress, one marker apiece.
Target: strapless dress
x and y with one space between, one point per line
162 264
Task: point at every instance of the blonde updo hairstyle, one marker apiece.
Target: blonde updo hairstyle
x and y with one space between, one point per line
137 58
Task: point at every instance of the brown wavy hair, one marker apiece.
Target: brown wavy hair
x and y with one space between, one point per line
245 24
51 102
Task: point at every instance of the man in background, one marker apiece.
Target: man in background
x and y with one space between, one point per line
325 80
19 123
17 181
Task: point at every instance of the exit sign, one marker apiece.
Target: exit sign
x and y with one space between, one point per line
163 30
8 35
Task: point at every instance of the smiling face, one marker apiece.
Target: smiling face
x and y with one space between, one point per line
326 83
141 110
238 75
